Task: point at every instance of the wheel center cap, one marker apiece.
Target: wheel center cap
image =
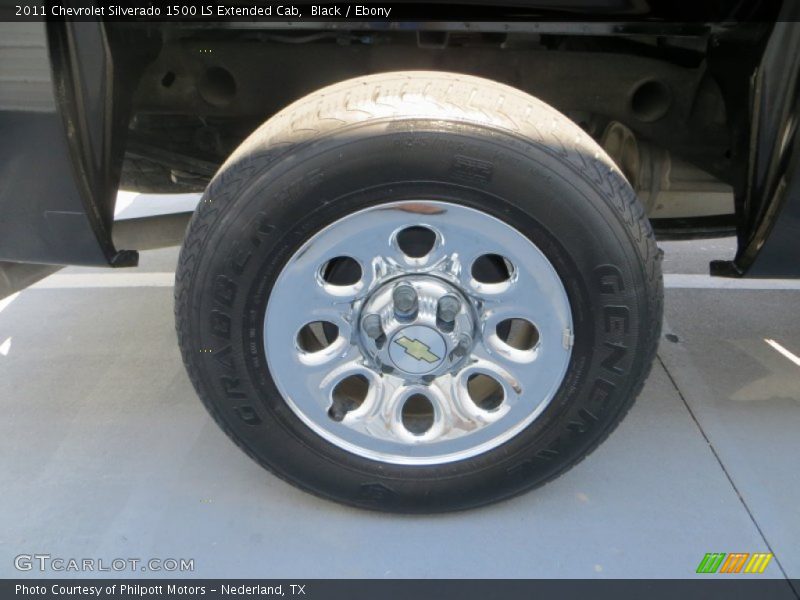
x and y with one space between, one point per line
417 350
417 327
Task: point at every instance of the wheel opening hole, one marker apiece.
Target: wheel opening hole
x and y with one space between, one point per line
518 333
168 79
650 100
347 396
342 271
416 241
417 414
486 392
317 336
492 268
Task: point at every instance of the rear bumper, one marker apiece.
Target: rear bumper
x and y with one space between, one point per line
60 156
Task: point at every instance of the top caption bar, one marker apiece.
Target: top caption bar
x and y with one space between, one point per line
377 14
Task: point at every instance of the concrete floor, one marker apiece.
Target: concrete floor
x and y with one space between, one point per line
106 452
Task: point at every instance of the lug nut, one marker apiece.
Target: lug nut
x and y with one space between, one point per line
448 308
405 301
372 326
464 343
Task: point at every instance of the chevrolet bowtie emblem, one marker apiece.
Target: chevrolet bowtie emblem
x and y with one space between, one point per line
417 350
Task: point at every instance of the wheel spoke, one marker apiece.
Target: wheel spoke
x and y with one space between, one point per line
321 371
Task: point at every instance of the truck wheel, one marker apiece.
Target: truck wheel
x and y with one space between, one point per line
418 292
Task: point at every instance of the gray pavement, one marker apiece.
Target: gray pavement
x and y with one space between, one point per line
106 452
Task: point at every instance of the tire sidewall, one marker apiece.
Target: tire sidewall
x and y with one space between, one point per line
268 209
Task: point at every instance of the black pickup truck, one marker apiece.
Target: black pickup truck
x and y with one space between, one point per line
423 274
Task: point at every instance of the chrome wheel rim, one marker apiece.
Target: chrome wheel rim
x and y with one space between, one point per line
422 354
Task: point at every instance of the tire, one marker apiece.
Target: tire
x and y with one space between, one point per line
482 149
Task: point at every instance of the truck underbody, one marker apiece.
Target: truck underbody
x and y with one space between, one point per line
158 107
